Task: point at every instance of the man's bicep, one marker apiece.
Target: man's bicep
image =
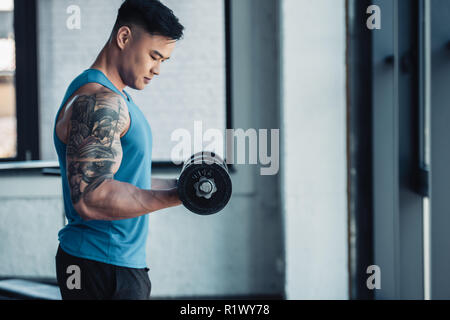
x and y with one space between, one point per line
94 151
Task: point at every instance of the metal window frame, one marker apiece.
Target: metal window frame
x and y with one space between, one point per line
26 81
359 148
228 88
398 205
387 180
440 151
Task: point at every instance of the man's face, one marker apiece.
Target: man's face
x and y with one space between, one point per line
141 57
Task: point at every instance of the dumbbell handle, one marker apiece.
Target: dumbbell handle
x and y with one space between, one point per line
205 188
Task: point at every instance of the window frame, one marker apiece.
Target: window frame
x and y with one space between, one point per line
228 89
440 153
387 181
26 82
398 208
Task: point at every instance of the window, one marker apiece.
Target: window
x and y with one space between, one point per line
8 121
19 133
37 70
192 85
388 178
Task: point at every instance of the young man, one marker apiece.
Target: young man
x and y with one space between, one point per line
104 146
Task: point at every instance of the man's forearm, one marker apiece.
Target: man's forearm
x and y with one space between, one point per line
114 200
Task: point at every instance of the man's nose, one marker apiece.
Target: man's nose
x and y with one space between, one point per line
156 68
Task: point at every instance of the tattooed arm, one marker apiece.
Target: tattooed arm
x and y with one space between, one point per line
94 154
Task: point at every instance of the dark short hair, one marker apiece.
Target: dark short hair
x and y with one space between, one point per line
152 16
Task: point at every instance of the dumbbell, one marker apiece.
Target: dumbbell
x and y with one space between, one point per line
204 185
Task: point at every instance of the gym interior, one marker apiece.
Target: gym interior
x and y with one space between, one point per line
355 204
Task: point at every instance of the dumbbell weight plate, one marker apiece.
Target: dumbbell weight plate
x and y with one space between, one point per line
205 157
201 167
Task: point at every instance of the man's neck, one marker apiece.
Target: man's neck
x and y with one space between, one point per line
104 63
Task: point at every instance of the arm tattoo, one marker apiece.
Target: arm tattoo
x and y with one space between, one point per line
94 149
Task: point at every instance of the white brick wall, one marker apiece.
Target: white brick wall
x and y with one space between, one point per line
31 214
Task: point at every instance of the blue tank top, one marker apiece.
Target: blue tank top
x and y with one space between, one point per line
123 242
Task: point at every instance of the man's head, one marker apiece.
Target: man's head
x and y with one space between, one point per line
145 34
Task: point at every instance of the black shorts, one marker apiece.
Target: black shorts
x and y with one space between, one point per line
83 279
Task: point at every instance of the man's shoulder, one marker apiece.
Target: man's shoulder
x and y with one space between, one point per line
99 96
85 102
91 99
97 90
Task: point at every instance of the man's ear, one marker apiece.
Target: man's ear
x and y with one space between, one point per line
123 37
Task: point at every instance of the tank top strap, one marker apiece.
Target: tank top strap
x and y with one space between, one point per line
128 96
95 75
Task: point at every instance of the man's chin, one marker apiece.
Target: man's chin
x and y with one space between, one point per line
142 86
138 87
